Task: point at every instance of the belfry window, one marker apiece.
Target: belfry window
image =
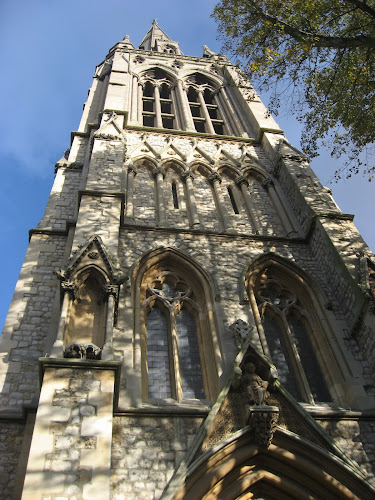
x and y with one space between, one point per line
203 106
173 354
287 328
157 102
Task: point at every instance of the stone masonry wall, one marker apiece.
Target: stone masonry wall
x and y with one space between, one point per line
356 438
146 452
11 435
29 320
70 450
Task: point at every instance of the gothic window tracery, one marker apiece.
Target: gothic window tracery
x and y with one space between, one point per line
158 106
203 105
173 354
287 328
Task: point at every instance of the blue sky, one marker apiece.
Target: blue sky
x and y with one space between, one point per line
48 52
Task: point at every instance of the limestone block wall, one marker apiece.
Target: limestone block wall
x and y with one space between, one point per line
71 445
63 200
11 435
29 328
356 438
146 452
106 167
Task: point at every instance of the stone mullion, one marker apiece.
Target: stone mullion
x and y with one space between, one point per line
175 362
231 113
205 112
140 104
178 125
134 103
187 119
215 180
295 359
159 177
132 172
237 112
226 113
243 183
158 120
188 178
224 116
269 186
259 325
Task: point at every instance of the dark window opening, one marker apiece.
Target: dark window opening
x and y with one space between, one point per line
208 97
167 122
218 128
212 112
166 107
165 91
148 105
174 195
148 121
195 110
233 201
148 90
192 95
199 126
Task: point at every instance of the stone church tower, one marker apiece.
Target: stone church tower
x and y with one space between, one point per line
195 315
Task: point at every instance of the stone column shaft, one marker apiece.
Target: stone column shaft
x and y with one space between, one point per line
159 176
230 113
107 352
191 199
158 120
215 180
132 172
58 346
186 114
268 184
134 103
206 114
140 105
243 183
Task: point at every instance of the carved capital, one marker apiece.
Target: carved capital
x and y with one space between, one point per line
157 171
69 287
214 177
112 290
132 169
187 175
267 183
264 421
241 179
82 351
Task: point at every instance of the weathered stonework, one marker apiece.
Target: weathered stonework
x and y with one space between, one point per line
179 211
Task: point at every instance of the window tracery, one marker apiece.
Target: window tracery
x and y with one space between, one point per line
204 106
287 328
158 103
173 354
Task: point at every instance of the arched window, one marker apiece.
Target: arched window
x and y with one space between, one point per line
158 109
204 106
290 333
173 357
180 354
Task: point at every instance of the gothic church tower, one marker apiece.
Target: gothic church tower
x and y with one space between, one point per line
195 315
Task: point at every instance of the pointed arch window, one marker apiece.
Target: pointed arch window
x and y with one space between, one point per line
287 329
174 368
158 106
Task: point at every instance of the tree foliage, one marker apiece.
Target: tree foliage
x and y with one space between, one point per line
318 56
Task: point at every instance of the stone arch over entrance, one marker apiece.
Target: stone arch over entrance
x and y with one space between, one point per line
292 468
